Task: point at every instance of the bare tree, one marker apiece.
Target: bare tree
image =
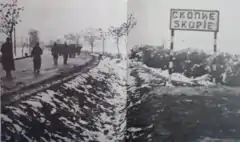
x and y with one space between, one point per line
33 37
58 41
103 36
24 44
10 17
130 24
51 42
91 35
117 33
73 37
123 30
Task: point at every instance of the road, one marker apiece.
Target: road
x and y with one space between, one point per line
24 70
26 64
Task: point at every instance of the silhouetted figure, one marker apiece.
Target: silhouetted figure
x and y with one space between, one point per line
65 53
37 61
78 49
7 58
71 51
74 51
55 53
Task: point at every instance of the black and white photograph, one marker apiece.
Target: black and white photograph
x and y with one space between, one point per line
63 70
120 70
183 71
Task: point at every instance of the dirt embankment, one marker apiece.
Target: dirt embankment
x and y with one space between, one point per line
88 107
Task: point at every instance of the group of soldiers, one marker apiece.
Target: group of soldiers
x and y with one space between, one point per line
67 51
7 59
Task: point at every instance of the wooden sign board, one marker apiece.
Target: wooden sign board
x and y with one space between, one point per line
194 20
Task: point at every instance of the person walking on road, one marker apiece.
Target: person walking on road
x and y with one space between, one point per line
55 53
77 50
37 61
65 53
80 49
71 51
7 58
74 51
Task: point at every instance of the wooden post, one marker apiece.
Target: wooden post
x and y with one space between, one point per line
170 66
214 67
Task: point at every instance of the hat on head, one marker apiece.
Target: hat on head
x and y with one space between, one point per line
8 39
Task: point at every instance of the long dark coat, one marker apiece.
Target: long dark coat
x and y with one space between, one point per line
7 57
36 54
55 51
66 52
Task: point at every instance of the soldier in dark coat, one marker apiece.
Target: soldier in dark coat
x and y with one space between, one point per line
80 49
65 53
75 50
7 58
37 61
55 53
72 51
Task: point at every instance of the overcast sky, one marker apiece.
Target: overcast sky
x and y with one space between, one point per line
54 18
154 16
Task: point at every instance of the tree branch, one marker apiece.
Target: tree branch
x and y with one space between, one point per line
9 16
2 31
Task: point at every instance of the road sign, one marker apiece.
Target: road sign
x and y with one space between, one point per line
194 20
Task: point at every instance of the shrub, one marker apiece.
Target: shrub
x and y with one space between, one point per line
191 63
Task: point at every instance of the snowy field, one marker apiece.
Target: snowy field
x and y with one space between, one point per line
90 107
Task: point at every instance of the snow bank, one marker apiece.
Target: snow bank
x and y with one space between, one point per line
90 107
207 139
146 72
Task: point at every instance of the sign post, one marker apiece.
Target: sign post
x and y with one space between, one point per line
194 20
214 66
170 66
